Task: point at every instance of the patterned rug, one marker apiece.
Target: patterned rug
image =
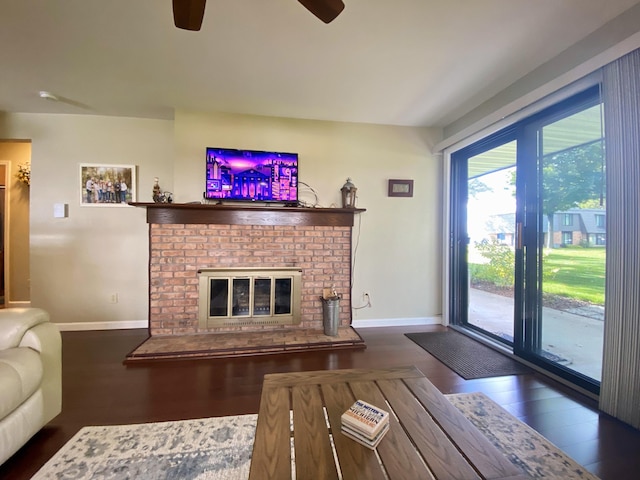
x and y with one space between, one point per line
209 448
521 444
220 448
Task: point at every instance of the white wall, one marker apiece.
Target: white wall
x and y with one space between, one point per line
398 260
78 262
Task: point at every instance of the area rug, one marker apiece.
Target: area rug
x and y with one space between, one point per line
521 444
220 448
209 448
468 358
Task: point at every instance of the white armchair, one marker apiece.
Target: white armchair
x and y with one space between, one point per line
30 375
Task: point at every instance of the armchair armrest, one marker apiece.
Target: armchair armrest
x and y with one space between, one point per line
14 322
45 339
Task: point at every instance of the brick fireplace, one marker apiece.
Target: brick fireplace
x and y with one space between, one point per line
186 238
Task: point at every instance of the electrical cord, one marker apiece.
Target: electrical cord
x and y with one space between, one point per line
355 251
366 305
315 194
353 267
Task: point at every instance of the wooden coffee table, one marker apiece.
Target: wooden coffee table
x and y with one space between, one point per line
428 437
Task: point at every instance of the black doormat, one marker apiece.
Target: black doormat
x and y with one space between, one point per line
467 357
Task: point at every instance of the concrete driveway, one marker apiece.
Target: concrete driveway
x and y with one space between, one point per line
575 336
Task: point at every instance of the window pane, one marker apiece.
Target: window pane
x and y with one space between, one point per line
491 224
581 128
573 258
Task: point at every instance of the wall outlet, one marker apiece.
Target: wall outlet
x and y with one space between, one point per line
114 298
366 297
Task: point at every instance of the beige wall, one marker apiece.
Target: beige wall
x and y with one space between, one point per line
398 258
78 262
13 154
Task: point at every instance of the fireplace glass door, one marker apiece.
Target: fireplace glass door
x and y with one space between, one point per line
262 296
242 297
218 297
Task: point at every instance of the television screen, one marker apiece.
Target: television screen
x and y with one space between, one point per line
250 175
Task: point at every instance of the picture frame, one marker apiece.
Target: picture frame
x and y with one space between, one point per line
101 185
400 188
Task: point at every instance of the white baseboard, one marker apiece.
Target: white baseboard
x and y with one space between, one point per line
382 322
397 322
85 326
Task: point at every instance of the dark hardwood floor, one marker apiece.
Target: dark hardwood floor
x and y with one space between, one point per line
99 390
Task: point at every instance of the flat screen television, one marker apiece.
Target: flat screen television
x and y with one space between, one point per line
251 176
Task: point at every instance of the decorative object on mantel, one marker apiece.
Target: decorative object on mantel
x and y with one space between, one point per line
156 190
158 195
348 194
24 173
400 188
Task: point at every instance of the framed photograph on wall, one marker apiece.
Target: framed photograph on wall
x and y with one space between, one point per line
400 188
107 185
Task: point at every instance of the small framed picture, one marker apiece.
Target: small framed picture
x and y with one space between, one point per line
107 185
401 188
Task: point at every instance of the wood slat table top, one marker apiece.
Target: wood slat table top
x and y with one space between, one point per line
427 438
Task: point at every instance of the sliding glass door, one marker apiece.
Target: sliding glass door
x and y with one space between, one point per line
528 238
491 226
572 247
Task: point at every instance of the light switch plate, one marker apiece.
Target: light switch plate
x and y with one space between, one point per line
60 210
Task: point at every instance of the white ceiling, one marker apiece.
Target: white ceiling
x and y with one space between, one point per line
397 62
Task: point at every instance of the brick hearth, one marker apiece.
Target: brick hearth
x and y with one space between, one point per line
178 251
185 238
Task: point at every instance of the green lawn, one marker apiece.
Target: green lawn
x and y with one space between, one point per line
575 272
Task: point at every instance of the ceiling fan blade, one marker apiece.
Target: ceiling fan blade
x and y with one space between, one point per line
188 14
325 10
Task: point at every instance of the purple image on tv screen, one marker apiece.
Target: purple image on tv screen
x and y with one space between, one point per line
249 175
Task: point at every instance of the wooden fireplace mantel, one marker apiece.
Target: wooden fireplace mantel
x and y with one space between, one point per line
197 213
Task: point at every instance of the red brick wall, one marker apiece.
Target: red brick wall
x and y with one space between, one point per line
178 251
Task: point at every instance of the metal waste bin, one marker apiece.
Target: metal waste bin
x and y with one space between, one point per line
331 315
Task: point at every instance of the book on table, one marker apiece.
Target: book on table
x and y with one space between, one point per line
365 423
371 443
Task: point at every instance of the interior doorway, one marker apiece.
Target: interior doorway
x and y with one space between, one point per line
15 155
3 216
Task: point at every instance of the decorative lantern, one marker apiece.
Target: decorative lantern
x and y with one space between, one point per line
157 192
348 194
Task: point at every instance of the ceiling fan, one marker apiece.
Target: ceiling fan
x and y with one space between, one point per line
188 14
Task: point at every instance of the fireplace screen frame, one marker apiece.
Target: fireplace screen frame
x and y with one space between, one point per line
230 316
